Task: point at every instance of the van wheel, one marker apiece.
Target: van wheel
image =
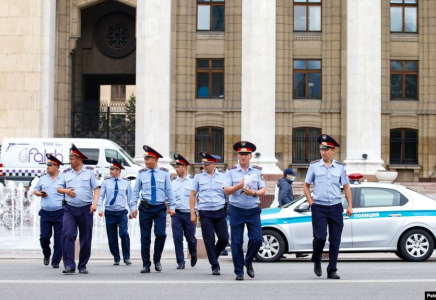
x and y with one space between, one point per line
416 245
273 247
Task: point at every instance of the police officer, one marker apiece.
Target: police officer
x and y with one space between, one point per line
209 185
244 207
51 212
327 176
118 194
81 186
154 186
181 221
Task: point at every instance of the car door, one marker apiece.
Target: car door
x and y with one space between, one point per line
378 215
302 233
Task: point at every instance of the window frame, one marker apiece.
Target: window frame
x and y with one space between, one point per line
209 143
306 142
403 146
306 71
404 72
403 5
210 71
211 3
307 4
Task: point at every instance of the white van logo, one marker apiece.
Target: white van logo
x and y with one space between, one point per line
33 155
23 155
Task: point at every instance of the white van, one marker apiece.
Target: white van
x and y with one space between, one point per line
24 158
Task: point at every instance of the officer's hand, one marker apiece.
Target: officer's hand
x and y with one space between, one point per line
134 213
93 208
101 214
130 217
71 193
241 183
194 219
248 192
171 212
349 211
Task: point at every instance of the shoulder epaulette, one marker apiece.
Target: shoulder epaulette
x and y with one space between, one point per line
339 163
90 168
142 170
315 161
221 171
127 179
164 169
190 176
199 172
107 177
231 168
173 178
257 167
66 170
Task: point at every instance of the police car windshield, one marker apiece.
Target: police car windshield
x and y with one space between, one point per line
293 201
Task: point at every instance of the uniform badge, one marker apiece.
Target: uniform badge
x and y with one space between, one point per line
243 144
324 136
324 143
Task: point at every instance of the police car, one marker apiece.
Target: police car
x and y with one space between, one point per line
387 218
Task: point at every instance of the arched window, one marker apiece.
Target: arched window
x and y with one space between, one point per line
210 140
305 148
404 146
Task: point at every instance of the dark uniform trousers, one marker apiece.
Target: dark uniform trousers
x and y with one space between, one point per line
156 213
322 216
76 217
115 220
239 217
51 221
181 225
214 222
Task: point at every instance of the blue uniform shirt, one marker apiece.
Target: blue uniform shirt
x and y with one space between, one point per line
182 192
327 181
164 190
210 190
83 183
234 176
53 201
124 195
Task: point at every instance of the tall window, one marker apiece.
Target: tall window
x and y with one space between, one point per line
305 148
210 15
307 15
307 79
210 140
404 15
210 78
404 146
118 92
404 80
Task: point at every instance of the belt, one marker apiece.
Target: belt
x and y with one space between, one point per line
182 212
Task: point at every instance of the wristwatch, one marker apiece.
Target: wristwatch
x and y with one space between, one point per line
255 194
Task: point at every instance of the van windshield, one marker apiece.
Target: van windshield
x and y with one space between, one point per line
128 157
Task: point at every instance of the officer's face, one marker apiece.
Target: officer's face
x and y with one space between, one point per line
115 172
75 161
181 170
209 168
327 154
53 169
150 162
244 158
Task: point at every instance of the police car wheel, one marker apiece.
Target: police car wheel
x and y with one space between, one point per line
416 245
398 253
272 248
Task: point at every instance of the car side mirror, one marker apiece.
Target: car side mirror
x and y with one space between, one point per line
304 207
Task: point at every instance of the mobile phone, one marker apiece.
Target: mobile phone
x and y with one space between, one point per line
43 193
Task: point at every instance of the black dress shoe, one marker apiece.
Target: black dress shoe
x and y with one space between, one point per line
83 271
250 271
145 270
69 271
46 261
55 266
239 277
300 255
333 275
127 262
116 263
193 260
158 266
216 272
317 269
180 266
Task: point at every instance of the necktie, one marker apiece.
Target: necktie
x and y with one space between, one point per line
153 188
116 192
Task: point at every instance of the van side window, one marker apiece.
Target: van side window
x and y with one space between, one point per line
92 155
115 154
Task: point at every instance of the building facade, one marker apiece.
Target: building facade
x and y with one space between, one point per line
210 73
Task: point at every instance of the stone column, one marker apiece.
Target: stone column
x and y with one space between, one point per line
48 53
258 80
153 55
364 86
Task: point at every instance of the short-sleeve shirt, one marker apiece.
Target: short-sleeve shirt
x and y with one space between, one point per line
234 176
53 201
83 184
326 181
210 190
124 195
182 192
